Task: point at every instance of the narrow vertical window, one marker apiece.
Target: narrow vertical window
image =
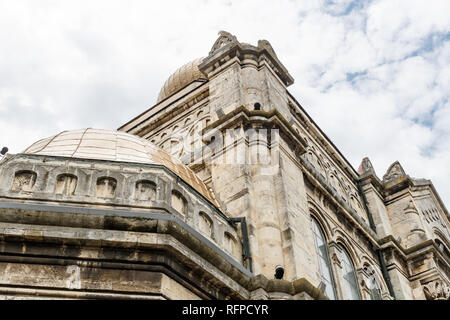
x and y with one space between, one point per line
326 272
350 282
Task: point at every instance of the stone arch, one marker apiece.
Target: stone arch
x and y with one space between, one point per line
316 213
333 180
372 283
24 181
340 238
342 190
231 244
66 184
179 202
145 190
106 187
356 203
439 237
349 281
205 224
315 160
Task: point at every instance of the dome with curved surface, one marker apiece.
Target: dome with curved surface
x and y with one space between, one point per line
119 146
180 78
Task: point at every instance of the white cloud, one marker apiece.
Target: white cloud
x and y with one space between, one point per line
375 75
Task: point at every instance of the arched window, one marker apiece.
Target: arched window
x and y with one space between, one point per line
326 272
350 282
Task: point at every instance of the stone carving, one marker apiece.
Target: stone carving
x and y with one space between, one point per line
436 290
74 279
264 44
224 39
24 181
365 166
395 171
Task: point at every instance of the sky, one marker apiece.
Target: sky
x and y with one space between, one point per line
373 74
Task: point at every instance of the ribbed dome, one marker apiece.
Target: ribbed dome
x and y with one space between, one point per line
115 146
180 78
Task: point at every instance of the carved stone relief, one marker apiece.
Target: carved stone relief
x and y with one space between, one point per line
24 181
436 290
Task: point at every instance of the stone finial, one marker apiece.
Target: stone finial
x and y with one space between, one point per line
395 171
224 39
264 44
365 166
437 290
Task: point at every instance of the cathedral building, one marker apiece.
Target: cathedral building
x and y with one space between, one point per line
224 189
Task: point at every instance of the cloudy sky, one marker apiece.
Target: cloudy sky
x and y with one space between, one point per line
375 75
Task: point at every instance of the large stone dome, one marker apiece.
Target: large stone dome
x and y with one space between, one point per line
180 78
119 146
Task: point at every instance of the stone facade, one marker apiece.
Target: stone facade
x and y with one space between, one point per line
251 183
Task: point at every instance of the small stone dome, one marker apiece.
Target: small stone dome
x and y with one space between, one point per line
180 78
119 146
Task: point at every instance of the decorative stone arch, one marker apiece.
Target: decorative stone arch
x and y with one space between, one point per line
145 190
54 173
315 159
370 272
105 187
118 194
439 238
333 180
179 202
317 214
342 188
340 238
231 245
354 200
341 248
206 224
66 184
176 146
